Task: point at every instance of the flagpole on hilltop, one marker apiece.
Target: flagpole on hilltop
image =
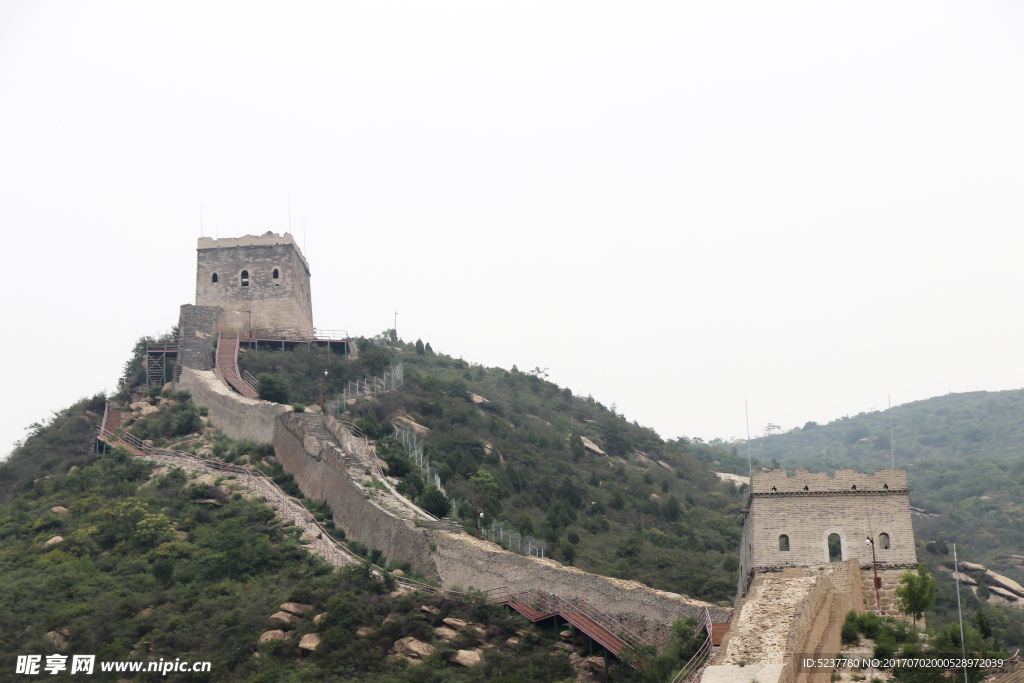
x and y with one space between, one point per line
892 446
750 467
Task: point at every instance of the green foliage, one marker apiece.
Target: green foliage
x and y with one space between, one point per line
435 503
273 388
517 456
576 446
916 593
177 416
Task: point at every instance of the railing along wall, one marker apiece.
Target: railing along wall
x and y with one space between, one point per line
692 671
338 555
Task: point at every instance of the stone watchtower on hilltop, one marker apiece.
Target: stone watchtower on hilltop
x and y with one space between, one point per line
265 275
810 520
252 284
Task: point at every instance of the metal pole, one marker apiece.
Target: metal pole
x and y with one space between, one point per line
750 467
892 446
874 564
960 614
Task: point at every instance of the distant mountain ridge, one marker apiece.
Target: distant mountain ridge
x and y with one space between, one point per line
984 424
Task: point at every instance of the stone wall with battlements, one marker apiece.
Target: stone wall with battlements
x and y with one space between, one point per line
244 270
808 508
310 453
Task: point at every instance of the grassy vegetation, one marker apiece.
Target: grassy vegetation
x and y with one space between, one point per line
148 568
512 457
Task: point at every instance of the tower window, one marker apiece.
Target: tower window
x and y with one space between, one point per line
245 278
784 543
883 541
835 548
853 488
214 278
276 274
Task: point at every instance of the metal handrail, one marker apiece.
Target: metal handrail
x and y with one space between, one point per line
556 604
327 545
700 658
250 380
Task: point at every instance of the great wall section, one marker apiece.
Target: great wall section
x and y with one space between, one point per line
804 562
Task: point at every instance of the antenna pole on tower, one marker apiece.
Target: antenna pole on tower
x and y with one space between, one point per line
892 446
750 467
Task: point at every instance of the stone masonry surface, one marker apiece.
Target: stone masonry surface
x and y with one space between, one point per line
325 471
237 416
197 336
764 624
282 302
808 508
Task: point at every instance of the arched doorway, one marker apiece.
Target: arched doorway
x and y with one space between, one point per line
835 548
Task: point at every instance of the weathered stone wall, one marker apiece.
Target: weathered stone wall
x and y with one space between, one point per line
197 336
890 579
309 452
786 615
235 415
808 508
275 303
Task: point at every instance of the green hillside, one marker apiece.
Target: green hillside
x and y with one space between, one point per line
953 427
964 456
512 456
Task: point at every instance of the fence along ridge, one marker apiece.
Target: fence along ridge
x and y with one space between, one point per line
323 544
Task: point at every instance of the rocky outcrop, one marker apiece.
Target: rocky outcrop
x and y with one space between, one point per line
285 619
276 634
412 649
309 641
466 658
59 639
296 608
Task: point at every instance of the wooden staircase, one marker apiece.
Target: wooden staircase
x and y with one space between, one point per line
227 365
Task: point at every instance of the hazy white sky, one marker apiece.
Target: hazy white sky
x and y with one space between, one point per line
672 206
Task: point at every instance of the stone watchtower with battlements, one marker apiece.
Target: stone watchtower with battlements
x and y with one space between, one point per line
809 520
266 277
252 283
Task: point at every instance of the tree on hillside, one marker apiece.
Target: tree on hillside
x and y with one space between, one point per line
419 347
435 503
576 446
916 592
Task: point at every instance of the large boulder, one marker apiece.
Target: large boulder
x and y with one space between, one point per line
455 623
59 639
58 509
445 633
411 647
309 641
466 658
296 608
276 634
285 619
972 567
591 446
54 541
1006 583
